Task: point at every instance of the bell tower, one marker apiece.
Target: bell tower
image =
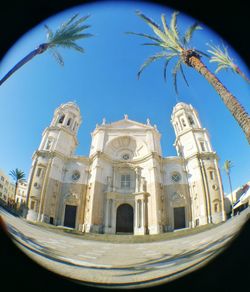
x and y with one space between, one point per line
194 145
59 142
61 135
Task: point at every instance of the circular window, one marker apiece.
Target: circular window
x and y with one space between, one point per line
176 177
125 156
215 187
76 175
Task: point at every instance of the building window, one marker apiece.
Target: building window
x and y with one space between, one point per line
76 175
61 119
216 207
202 144
36 185
211 173
49 144
190 120
69 122
38 173
183 122
176 177
32 205
2 178
125 156
125 181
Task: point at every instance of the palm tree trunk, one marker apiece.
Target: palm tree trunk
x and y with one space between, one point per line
231 190
237 69
27 58
230 101
16 184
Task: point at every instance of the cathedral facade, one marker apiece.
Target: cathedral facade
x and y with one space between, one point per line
125 185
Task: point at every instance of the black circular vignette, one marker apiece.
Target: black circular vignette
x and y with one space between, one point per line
227 272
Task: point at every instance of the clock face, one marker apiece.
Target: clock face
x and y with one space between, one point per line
176 177
125 156
76 175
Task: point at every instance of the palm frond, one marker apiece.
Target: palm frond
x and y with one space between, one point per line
166 28
157 30
165 69
144 35
189 33
202 53
173 25
69 32
49 32
150 60
221 57
183 75
57 56
17 174
174 74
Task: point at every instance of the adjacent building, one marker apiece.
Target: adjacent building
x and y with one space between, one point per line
7 188
125 184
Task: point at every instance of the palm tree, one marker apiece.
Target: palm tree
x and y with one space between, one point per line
174 46
227 166
65 37
17 175
224 61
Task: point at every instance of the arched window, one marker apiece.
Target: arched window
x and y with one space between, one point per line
49 144
202 145
61 119
190 120
183 122
69 122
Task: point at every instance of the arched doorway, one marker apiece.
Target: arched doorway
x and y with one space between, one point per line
125 219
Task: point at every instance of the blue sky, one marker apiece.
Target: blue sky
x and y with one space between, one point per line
103 83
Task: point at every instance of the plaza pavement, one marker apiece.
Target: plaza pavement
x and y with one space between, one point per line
120 265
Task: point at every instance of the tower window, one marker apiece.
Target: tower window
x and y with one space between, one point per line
125 181
39 170
211 173
202 144
49 144
61 119
191 121
69 122
183 122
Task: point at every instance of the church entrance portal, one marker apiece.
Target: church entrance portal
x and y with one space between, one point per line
125 219
70 216
179 218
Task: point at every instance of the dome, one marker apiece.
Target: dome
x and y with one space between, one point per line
181 105
70 104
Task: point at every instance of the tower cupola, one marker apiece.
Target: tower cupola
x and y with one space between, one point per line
67 116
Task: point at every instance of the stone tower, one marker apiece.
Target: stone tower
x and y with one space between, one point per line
201 162
59 142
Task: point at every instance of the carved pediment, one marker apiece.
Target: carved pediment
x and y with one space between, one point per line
71 198
128 124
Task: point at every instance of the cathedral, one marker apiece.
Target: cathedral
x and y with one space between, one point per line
125 185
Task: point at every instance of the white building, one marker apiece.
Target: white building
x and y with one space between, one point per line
21 193
125 185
